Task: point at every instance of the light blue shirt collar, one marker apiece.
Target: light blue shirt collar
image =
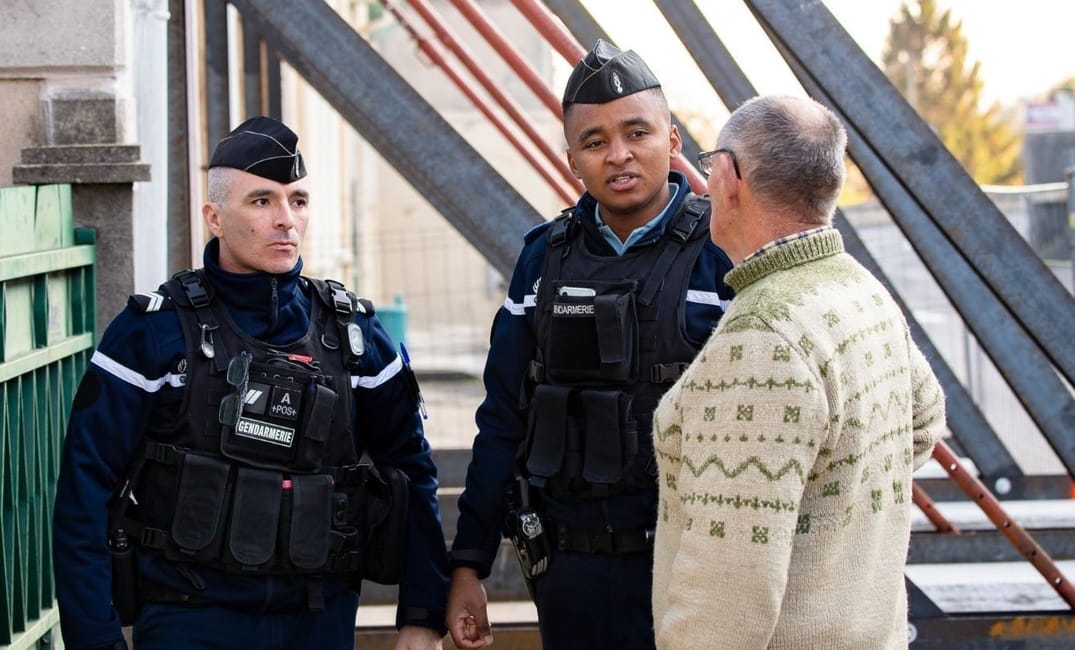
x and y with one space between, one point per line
636 234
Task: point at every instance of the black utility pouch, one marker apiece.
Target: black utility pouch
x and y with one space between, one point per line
311 520
593 333
388 493
255 515
611 441
197 526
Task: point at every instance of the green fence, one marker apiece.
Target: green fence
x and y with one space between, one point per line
47 323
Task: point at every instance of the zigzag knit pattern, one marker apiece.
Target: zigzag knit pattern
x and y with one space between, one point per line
785 455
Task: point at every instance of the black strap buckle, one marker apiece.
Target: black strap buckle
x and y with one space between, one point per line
163 453
154 538
194 290
341 300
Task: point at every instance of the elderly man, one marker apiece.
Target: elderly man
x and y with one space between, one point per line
786 450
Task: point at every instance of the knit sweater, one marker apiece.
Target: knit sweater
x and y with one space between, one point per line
785 455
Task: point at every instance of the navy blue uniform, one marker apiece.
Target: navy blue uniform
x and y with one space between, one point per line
586 600
136 377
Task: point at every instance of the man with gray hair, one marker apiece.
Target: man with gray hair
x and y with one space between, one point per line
785 451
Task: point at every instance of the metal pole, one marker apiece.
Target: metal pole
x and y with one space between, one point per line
527 73
1011 530
929 508
430 15
435 56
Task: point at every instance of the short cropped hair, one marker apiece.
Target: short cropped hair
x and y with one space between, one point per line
791 151
220 182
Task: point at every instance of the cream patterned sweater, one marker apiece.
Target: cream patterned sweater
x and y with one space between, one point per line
785 455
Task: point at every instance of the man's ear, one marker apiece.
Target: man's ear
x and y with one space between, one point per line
571 164
211 215
675 143
729 181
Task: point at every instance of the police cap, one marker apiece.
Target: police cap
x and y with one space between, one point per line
264 147
607 73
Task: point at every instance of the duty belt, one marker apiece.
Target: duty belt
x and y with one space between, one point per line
600 542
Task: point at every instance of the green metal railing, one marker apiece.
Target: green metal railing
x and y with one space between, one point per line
47 324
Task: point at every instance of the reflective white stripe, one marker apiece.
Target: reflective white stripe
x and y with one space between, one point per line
136 379
704 297
515 309
707 298
390 371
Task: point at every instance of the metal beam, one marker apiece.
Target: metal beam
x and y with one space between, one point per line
904 143
965 419
708 51
399 123
1018 357
984 546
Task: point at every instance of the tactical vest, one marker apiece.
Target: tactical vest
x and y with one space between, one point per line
611 339
259 473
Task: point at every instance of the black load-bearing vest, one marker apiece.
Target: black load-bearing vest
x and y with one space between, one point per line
612 338
259 473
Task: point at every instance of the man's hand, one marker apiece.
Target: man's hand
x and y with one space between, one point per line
414 637
468 618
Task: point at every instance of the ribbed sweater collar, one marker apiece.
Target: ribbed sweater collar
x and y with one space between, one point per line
785 256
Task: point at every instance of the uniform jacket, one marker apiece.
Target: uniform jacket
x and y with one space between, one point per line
135 377
502 422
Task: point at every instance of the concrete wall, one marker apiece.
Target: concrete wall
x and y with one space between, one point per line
65 80
62 78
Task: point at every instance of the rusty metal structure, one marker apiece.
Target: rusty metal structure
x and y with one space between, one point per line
1016 308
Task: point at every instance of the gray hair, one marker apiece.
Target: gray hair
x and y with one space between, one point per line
791 151
220 182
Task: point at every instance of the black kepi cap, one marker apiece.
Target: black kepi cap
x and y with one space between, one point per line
607 73
264 147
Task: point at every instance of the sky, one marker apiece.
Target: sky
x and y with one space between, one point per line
1023 46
